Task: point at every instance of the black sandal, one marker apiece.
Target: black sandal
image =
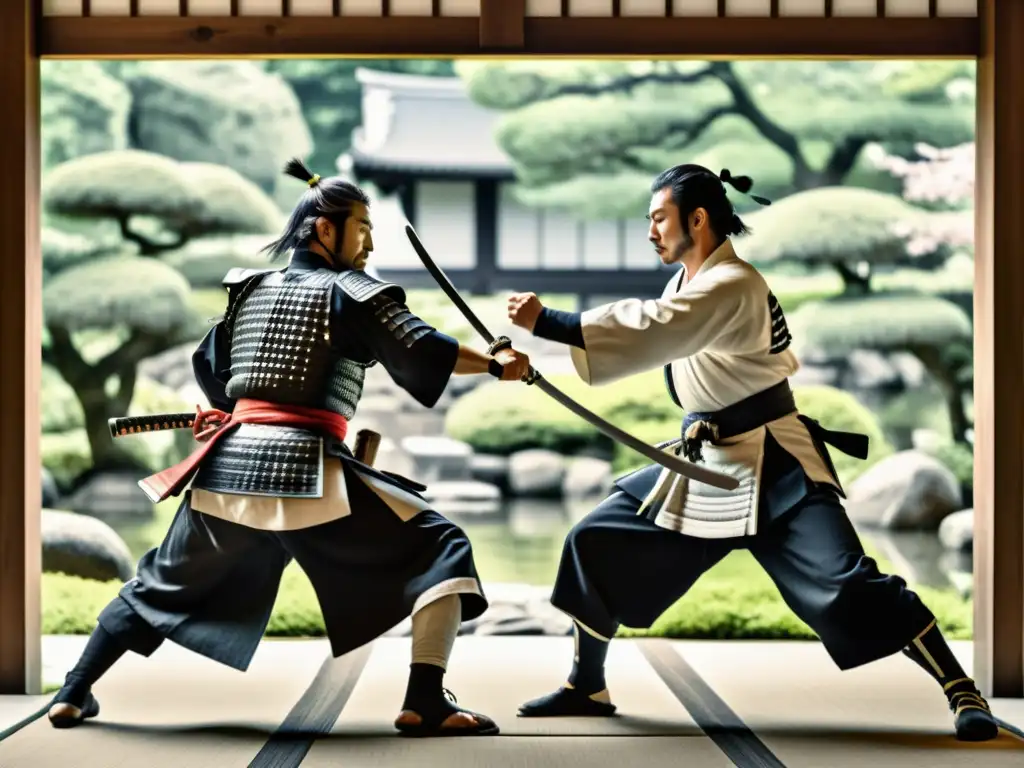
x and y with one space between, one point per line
430 724
566 702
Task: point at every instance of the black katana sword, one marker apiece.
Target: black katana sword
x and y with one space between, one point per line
669 461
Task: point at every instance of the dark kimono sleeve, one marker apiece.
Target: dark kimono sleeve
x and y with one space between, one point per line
211 364
559 326
419 358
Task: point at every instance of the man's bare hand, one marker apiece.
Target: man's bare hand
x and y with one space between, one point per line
207 423
524 309
516 364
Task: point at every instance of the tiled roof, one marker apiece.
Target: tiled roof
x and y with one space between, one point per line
417 123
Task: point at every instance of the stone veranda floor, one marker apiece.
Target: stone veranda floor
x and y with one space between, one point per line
695 703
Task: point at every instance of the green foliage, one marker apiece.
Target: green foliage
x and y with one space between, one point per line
60 410
500 422
884 322
143 294
205 261
959 459
63 250
831 225
189 199
121 183
735 600
929 81
497 419
230 203
568 125
919 408
67 454
65 448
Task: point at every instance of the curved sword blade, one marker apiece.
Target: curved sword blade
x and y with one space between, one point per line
669 461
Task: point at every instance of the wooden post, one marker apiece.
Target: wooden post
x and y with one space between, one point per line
502 24
999 355
20 352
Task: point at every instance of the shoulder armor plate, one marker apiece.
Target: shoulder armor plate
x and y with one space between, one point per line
360 286
240 275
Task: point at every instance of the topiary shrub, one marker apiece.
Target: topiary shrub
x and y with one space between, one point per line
498 419
935 331
67 454
204 262
60 410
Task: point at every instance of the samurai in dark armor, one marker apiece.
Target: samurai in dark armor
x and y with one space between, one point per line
273 479
722 340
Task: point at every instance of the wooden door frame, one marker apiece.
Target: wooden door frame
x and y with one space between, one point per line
503 28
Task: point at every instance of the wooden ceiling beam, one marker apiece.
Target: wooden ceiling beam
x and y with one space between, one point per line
695 37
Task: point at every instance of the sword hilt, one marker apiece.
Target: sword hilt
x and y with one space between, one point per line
496 370
123 426
367 445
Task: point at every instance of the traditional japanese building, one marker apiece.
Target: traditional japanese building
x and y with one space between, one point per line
425 140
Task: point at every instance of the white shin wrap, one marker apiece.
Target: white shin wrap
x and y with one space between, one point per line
434 629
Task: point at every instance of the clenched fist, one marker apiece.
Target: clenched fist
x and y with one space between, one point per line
516 364
524 309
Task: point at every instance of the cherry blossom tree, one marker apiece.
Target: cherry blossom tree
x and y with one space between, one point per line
942 180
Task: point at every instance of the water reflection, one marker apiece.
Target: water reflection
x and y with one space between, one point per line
524 542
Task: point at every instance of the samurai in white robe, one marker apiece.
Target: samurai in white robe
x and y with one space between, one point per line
721 338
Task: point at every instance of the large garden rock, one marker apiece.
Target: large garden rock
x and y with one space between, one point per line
230 113
438 458
536 472
909 490
586 477
488 468
956 532
83 546
463 497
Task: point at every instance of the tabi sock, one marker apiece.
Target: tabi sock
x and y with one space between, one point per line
587 674
99 655
434 629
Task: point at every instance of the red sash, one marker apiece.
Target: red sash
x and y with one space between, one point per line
171 481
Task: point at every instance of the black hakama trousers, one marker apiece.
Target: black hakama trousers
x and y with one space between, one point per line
618 567
211 584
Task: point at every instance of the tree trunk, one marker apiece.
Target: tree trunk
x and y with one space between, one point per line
146 246
853 284
89 385
952 390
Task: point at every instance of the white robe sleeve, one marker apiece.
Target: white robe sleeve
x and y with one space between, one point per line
631 336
